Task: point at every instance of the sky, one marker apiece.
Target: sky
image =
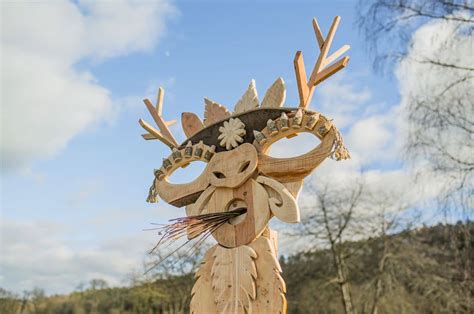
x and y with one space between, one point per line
75 170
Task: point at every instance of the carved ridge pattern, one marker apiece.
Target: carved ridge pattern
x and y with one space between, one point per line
271 287
233 279
202 289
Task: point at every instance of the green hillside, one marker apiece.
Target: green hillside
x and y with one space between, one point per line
423 271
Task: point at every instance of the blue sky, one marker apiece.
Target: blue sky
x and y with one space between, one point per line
87 195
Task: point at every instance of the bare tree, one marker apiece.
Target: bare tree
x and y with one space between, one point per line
332 219
439 108
175 274
432 41
386 210
354 220
387 25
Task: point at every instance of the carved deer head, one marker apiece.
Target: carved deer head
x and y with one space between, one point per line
239 173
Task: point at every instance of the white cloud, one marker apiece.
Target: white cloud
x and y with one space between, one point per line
46 100
48 255
340 97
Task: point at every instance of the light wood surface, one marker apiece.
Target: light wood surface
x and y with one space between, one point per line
284 206
191 123
256 219
249 99
271 287
275 95
233 279
241 274
295 168
231 169
214 112
164 134
202 295
322 68
246 279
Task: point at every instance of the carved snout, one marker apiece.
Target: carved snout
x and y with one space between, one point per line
231 169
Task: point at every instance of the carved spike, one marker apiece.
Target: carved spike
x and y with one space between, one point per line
271 127
214 112
297 119
198 150
275 95
249 99
159 174
283 121
261 139
188 150
191 123
176 155
312 120
166 163
209 153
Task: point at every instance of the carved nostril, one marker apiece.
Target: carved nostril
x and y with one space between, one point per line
219 175
244 166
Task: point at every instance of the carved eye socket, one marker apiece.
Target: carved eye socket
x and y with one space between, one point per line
219 175
244 166
193 157
187 173
294 146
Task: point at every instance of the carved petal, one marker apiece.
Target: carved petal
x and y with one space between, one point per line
285 208
275 95
214 112
191 123
249 99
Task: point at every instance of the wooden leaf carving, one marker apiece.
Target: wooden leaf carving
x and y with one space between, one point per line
201 295
191 123
270 284
214 112
275 95
249 99
233 279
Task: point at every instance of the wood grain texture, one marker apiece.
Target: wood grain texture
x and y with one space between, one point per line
275 95
249 99
155 134
160 122
231 169
296 168
233 279
271 287
214 112
191 123
254 195
321 70
284 205
202 294
301 79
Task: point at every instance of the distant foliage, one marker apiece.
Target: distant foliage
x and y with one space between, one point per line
421 276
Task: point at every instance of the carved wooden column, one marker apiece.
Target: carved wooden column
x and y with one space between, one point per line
241 273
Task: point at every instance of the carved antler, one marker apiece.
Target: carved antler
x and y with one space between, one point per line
322 70
165 135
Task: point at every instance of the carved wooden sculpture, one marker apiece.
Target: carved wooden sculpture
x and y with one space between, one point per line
241 273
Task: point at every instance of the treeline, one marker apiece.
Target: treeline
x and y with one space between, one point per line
422 274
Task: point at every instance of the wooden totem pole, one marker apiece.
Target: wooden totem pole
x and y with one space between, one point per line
241 273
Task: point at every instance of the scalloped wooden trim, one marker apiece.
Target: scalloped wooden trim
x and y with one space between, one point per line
296 168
